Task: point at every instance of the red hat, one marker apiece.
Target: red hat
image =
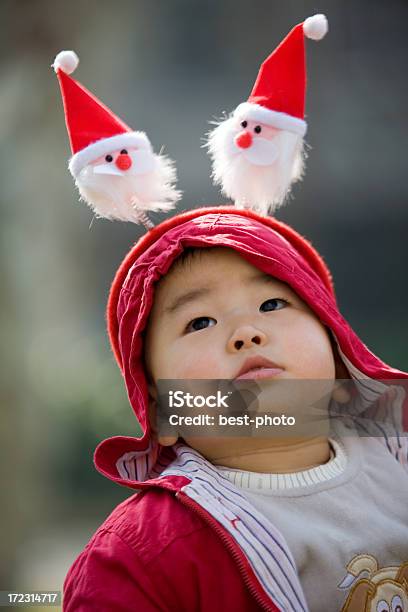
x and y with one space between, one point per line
93 129
278 96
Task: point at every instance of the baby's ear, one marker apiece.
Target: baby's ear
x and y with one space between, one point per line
152 410
151 387
152 405
340 393
342 372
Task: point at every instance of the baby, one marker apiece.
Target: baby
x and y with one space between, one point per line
295 523
309 519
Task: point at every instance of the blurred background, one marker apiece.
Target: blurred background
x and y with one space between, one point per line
168 67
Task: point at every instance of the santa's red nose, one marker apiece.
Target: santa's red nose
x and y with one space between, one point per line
243 139
123 161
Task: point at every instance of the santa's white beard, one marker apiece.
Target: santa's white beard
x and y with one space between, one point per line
259 177
126 196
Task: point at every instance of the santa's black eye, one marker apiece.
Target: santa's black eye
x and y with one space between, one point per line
244 124
257 129
274 304
123 152
109 158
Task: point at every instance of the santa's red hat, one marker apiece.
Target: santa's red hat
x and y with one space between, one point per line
93 129
278 96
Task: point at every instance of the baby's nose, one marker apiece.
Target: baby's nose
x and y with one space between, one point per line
123 161
246 337
243 139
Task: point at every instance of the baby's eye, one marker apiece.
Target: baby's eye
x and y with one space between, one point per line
199 323
273 304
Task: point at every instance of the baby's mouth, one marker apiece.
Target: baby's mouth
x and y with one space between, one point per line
261 372
256 367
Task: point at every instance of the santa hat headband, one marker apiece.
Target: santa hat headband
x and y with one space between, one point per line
277 99
278 95
93 129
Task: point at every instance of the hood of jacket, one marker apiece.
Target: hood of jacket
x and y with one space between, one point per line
266 243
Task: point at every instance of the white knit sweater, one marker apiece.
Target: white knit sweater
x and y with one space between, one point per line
343 521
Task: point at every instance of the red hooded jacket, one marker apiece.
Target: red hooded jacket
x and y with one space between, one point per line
188 539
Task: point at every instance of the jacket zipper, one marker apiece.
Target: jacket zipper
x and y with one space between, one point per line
261 598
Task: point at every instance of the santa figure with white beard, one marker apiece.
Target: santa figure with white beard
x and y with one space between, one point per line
258 151
115 169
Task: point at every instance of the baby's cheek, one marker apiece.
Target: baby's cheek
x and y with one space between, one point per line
199 365
311 351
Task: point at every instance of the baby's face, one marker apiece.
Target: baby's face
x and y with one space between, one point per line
210 314
216 310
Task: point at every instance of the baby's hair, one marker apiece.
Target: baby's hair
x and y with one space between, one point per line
188 255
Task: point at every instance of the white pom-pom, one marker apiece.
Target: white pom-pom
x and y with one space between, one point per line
67 61
315 27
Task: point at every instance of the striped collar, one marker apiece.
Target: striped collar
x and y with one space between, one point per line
263 545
